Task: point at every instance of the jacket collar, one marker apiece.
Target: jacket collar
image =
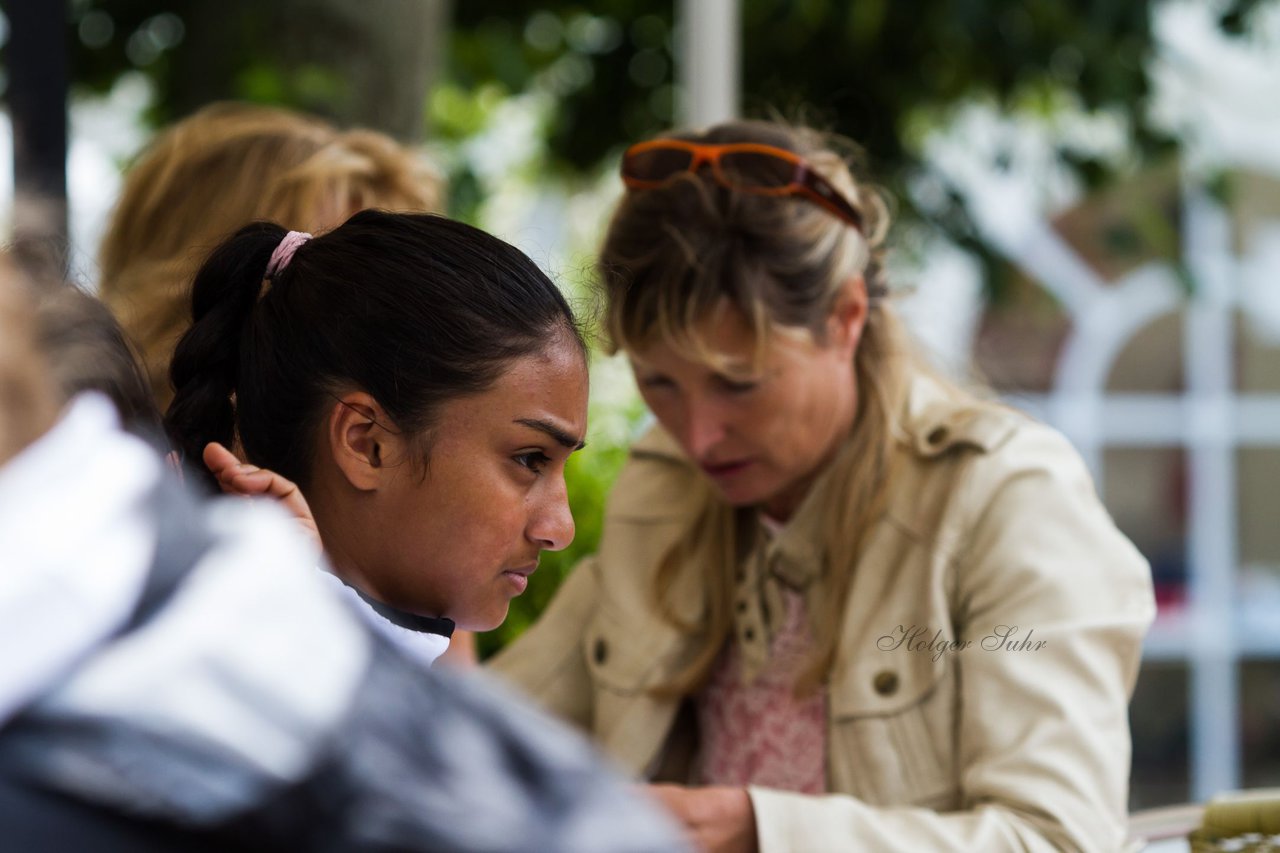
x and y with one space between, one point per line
935 420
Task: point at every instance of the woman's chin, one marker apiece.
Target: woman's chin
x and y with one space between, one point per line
481 622
743 493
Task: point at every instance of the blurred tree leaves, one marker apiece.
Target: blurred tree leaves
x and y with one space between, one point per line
367 63
861 67
858 67
867 69
609 65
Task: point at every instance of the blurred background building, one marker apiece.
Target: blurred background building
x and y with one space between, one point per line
1088 202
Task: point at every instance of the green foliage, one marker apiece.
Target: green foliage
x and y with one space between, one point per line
880 66
199 51
460 113
112 38
609 65
309 84
880 61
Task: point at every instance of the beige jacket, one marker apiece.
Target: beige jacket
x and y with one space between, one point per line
1019 741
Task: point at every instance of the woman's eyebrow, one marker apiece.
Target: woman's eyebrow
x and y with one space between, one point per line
733 375
562 438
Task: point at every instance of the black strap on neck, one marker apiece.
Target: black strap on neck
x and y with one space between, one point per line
409 621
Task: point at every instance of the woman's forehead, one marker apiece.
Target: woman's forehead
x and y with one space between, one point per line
729 349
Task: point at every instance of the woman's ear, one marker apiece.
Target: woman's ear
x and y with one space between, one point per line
357 440
848 316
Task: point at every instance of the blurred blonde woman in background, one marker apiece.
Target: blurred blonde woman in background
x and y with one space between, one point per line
223 167
840 603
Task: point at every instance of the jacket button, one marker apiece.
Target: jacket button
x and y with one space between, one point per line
937 435
601 651
886 682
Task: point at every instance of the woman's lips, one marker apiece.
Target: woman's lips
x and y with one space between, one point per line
724 470
519 576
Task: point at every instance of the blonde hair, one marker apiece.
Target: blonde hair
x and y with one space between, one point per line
28 401
223 167
673 255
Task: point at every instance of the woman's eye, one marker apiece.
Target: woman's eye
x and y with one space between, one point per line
534 460
655 383
734 387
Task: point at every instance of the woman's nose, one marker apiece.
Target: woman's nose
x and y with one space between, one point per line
703 429
551 526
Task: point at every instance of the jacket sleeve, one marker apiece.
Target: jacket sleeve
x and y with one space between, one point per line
1042 734
547 661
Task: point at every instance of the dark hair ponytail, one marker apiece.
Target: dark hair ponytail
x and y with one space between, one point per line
206 363
413 309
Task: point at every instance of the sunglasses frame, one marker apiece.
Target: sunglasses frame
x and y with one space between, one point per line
804 181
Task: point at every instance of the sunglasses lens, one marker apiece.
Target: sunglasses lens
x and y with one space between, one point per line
655 164
753 169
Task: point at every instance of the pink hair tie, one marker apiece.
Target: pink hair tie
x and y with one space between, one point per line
284 252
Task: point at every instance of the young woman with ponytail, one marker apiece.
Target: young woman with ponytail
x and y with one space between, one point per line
420 381
840 603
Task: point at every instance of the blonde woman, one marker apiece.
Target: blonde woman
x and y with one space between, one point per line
225 166
839 603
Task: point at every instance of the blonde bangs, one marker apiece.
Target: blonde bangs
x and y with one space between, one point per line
678 319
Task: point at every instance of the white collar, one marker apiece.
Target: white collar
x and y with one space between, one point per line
421 646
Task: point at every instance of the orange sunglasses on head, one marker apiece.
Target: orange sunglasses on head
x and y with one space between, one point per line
743 166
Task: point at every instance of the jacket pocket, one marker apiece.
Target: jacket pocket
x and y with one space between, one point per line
892 731
619 659
626 662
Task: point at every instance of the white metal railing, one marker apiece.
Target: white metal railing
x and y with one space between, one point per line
1210 419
